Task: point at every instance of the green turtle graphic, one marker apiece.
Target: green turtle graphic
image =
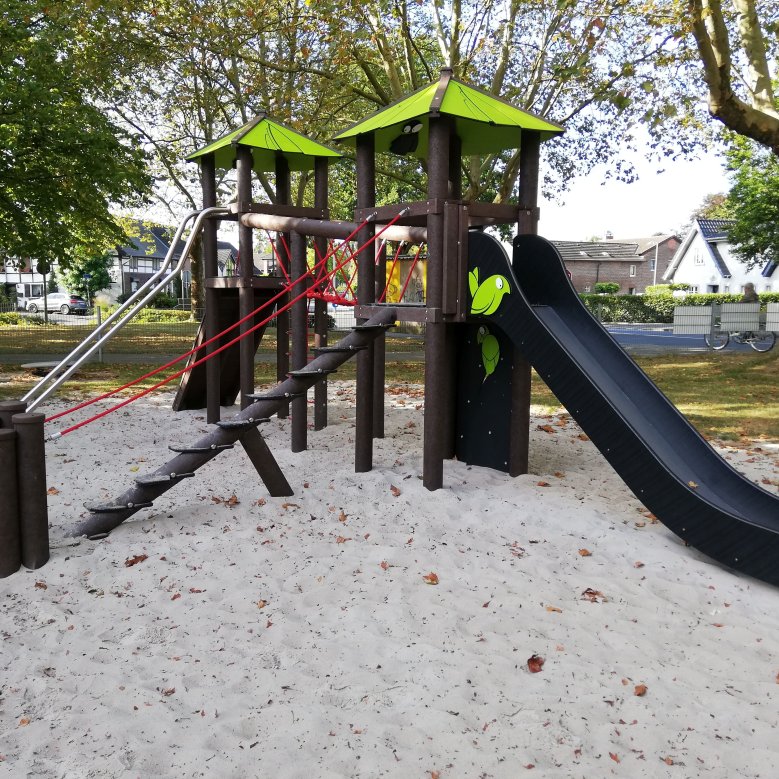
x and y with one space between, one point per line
490 350
487 295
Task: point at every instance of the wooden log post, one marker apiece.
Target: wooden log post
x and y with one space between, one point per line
380 344
299 328
519 447
366 280
320 306
244 166
10 538
210 270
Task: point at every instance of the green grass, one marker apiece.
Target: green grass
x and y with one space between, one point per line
733 397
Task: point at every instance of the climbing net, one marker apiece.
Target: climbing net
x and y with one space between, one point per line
341 255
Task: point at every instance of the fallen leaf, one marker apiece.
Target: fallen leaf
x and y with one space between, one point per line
614 757
342 517
554 609
640 690
52 491
692 484
535 663
169 691
384 565
593 595
431 578
638 564
529 766
542 484
176 596
139 558
41 586
718 624
342 540
545 428
585 553
24 722
434 774
195 590
668 760
395 490
288 505
261 604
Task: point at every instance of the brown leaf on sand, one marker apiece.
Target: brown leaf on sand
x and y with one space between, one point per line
41 586
535 663
431 578
288 505
585 553
542 484
668 760
395 490
594 596
342 540
24 721
139 558
640 690
342 517
384 565
614 757
52 491
554 609
638 564
546 428
167 692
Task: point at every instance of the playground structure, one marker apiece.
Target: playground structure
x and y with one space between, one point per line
487 320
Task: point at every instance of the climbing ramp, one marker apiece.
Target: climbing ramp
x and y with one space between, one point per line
243 428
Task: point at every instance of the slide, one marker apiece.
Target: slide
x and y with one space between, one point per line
662 458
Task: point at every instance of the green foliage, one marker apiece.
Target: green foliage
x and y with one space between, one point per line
656 307
73 278
63 161
14 319
606 287
163 300
754 201
161 315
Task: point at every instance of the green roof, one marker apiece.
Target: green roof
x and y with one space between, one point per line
267 138
484 123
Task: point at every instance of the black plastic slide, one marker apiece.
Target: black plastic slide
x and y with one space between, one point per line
649 443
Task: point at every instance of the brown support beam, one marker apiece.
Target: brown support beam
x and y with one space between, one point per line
210 270
436 370
366 280
320 307
519 449
244 167
380 344
299 327
265 464
283 197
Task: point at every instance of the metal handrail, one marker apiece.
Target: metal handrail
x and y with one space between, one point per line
84 350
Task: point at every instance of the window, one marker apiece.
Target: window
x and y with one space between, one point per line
632 270
631 290
693 288
652 264
133 264
587 288
727 289
697 257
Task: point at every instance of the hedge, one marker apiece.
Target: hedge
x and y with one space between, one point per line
17 320
657 308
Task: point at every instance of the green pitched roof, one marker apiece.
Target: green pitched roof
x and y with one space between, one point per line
484 123
267 138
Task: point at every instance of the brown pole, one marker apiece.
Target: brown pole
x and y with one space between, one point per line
10 540
283 241
31 489
519 447
320 307
244 166
210 268
435 331
380 344
366 279
8 408
299 323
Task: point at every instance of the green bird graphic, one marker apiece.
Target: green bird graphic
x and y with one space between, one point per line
490 350
487 295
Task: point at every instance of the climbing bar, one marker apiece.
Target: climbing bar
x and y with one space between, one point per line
328 229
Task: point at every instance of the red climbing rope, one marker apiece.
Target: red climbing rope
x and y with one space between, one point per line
194 350
410 273
175 375
383 295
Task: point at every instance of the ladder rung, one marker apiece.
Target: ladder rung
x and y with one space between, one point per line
109 508
316 374
368 328
200 449
338 349
149 479
241 424
276 395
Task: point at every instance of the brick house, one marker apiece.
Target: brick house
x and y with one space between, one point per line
633 263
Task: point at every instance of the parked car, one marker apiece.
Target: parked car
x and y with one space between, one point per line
58 301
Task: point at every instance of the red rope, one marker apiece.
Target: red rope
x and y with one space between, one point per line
278 256
410 271
192 351
170 378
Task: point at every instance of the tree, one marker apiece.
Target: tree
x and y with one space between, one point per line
86 276
754 202
715 205
62 161
735 45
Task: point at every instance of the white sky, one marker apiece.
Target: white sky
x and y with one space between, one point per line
657 202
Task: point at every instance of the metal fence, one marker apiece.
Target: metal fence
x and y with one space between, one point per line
57 334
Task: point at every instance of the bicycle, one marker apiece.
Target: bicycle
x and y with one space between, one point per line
760 341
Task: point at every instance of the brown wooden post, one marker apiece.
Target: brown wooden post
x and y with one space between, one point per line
244 166
436 370
380 344
10 540
519 448
299 327
366 279
210 270
320 307
283 241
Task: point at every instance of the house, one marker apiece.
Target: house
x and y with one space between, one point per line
633 263
20 278
704 261
134 264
